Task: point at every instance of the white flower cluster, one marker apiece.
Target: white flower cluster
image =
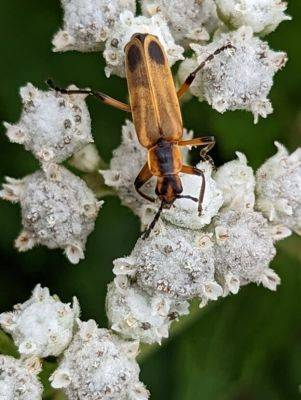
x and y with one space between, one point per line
236 79
278 188
263 16
188 256
42 326
58 209
99 365
188 20
87 23
134 314
52 126
18 379
95 363
240 79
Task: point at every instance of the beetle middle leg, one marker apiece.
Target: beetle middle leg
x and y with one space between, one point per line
187 169
207 141
99 95
185 86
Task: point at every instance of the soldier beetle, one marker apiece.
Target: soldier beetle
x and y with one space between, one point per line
155 108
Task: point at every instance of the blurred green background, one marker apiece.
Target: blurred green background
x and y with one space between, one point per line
244 347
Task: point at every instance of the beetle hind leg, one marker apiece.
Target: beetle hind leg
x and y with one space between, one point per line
187 169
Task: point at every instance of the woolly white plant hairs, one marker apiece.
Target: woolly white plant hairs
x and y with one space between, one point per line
188 20
87 23
58 210
263 16
239 78
19 379
99 364
52 126
42 326
278 188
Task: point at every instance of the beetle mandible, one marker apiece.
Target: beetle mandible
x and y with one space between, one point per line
155 108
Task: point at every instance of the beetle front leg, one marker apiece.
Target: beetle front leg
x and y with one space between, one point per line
207 141
143 176
99 95
187 169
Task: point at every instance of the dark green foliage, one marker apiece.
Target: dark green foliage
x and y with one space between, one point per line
245 347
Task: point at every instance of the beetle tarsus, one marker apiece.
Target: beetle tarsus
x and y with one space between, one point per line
154 221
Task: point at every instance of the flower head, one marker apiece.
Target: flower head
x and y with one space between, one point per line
236 79
135 314
99 365
188 20
52 126
263 16
87 23
173 262
58 210
18 379
278 188
42 326
237 182
244 249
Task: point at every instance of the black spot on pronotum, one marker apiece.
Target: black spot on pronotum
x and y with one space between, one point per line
155 52
134 57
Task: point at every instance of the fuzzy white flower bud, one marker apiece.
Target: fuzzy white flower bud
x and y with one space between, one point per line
184 212
86 159
87 23
236 79
58 210
52 126
43 325
124 29
244 249
136 315
18 380
188 20
278 188
237 182
263 16
173 262
99 365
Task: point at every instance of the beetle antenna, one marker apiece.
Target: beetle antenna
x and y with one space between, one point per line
154 221
187 197
53 86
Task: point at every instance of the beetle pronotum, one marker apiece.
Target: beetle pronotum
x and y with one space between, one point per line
154 104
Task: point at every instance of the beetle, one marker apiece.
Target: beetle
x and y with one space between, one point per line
155 108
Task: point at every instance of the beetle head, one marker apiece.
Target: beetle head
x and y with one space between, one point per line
169 188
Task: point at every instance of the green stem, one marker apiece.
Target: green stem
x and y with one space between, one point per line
7 346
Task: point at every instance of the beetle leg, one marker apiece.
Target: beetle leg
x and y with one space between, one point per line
185 86
100 96
143 176
207 141
187 169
